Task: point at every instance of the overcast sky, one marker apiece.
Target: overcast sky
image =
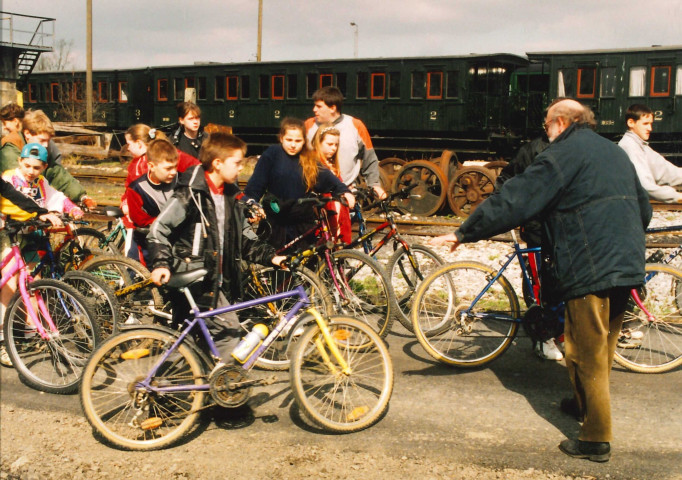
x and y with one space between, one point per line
139 33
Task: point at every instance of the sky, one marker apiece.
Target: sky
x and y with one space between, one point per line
140 33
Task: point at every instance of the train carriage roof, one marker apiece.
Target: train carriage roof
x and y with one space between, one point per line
655 48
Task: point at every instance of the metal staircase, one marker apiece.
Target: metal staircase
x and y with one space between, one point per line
26 37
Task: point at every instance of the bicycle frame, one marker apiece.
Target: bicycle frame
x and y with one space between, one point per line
24 278
518 253
281 325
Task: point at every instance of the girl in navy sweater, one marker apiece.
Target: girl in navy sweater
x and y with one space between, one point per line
287 172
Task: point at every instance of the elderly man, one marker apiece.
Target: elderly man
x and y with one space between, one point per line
593 211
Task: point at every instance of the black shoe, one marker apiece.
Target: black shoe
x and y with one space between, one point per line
570 407
593 451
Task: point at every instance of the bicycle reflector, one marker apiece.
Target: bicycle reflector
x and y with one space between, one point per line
135 354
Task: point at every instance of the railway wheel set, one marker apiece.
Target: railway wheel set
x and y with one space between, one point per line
440 180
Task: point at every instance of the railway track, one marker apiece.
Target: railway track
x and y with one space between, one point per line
409 224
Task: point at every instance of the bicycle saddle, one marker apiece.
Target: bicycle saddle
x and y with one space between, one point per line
179 280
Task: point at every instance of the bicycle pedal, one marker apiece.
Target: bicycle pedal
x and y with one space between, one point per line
268 381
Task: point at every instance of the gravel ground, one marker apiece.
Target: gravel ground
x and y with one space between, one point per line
58 444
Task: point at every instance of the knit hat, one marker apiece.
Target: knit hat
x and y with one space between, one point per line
35 151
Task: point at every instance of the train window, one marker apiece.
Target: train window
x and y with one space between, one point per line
418 85
678 81
201 88
434 80
232 87
311 84
292 86
123 92
162 90
103 91
452 86
190 82
565 83
278 87
637 81
607 84
341 83
394 85
54 92
660 81
219 89
363 85
378 86
263 86
246 86
326 80
78 91
586 82
31 92
179 88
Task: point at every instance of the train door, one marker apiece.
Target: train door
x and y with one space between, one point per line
608 109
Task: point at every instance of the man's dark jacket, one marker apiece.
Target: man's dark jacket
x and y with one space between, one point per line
593 211
185 236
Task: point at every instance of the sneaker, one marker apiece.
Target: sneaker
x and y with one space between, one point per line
630 338
548 350
4 357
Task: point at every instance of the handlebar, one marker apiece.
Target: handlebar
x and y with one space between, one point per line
402 193
319 201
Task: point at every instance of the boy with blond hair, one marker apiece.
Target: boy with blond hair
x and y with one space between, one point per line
36 127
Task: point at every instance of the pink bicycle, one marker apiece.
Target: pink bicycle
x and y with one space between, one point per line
49 331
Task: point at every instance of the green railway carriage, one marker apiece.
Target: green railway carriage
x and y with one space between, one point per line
478 105
611 80
453 100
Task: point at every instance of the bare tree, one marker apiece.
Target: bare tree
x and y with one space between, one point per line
59 59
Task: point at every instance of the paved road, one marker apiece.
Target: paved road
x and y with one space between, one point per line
504 416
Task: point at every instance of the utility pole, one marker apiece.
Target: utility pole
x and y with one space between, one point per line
260 29
355 39
88 68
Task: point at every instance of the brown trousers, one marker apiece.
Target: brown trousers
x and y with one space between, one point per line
593 324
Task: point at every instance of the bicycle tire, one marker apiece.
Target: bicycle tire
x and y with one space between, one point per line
362 289
120 272
405 278
105 306
55 364
112 403
275 280
476 339
659 349
336 401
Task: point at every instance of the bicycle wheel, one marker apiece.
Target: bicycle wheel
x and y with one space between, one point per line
452 331
361 289
268 281
140 305
342 401
653 345
102 298
132 417
86 244
53 364
96 241
406 276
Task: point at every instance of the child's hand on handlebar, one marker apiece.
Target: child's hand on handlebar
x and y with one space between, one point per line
350 199
53 218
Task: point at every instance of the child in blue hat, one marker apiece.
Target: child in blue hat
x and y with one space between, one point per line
28 179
